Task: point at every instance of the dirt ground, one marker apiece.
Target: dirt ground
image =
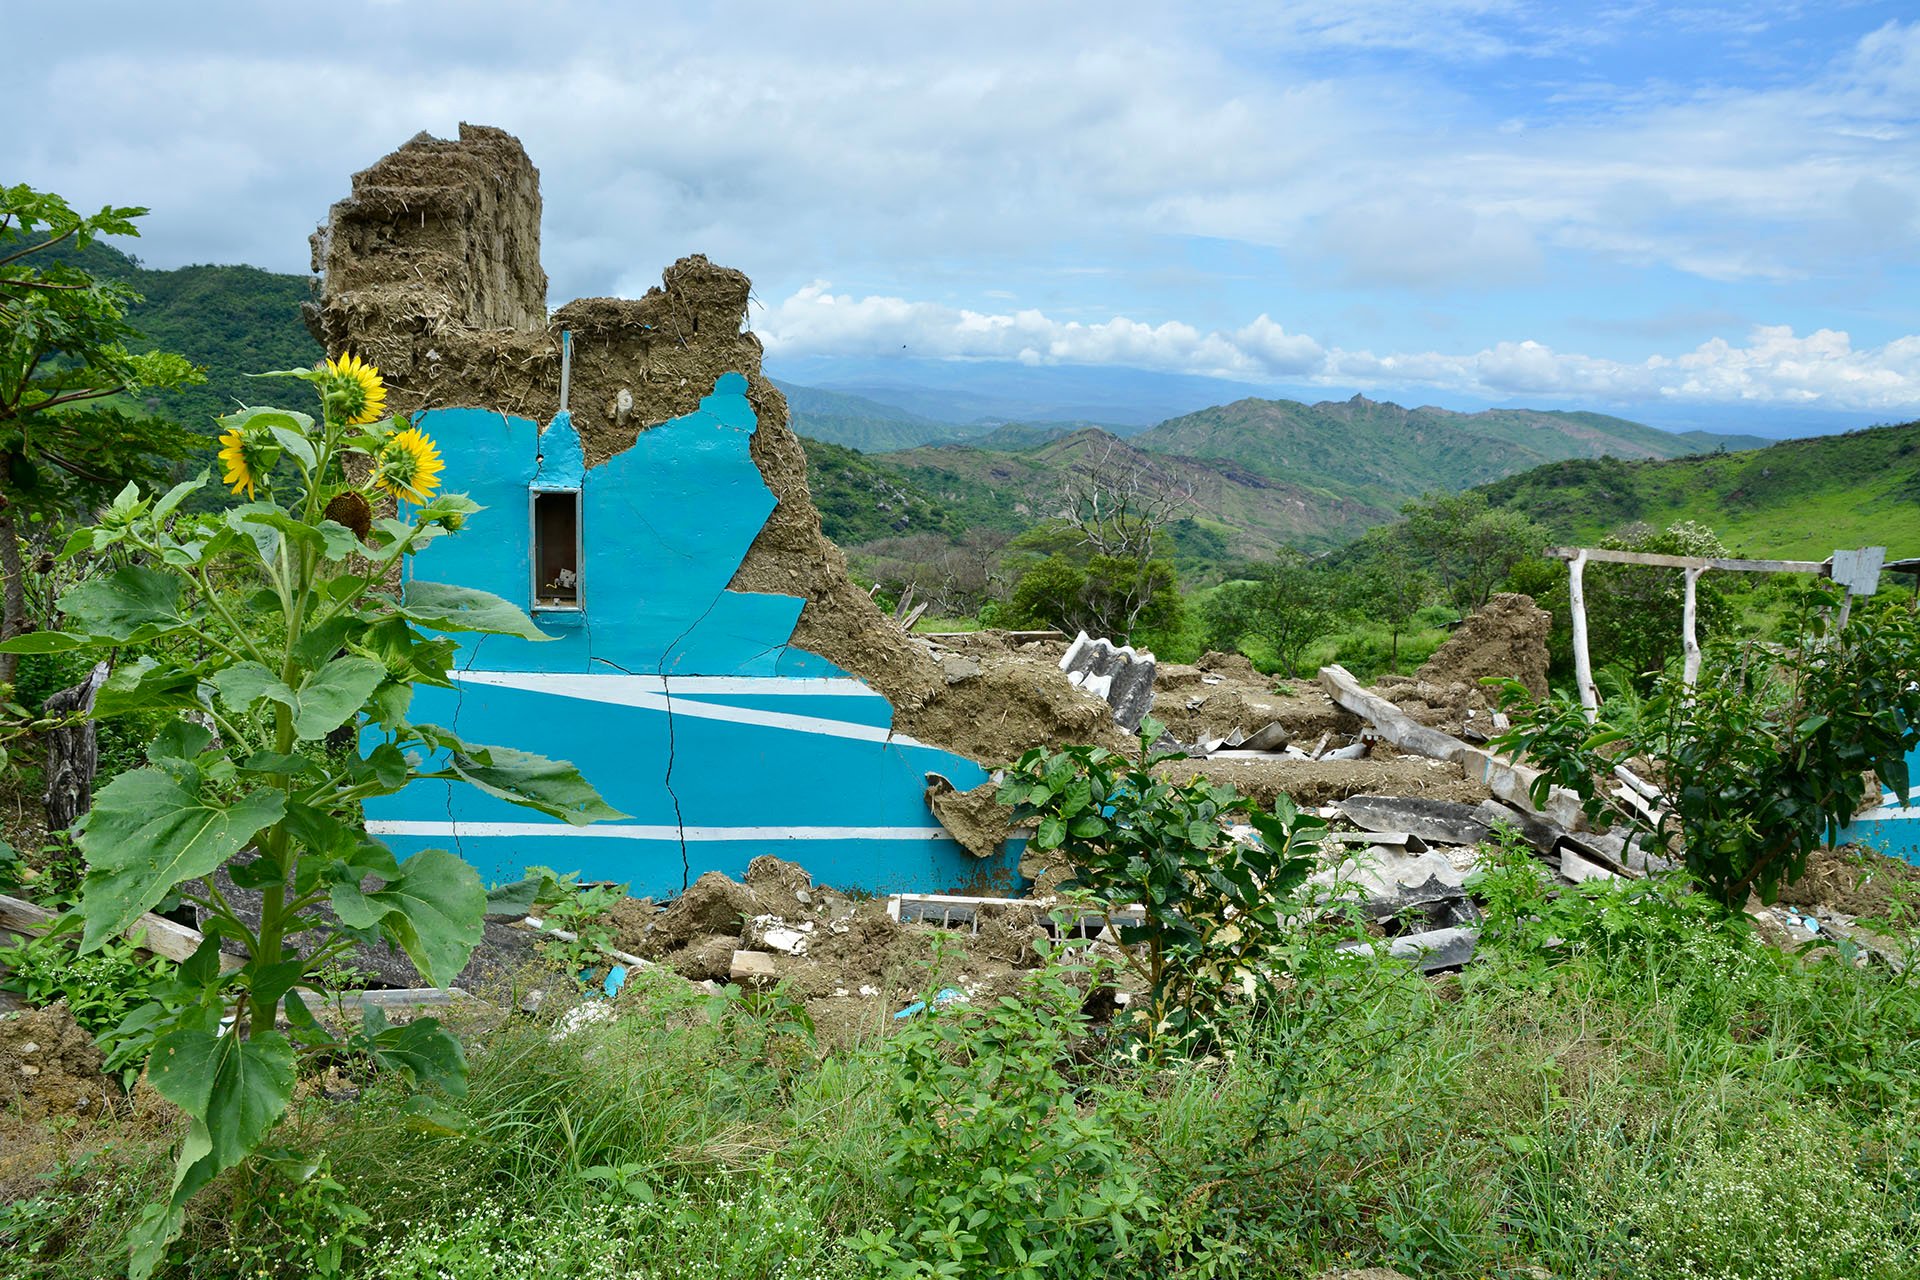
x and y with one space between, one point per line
1858 881
1506 638
50 1067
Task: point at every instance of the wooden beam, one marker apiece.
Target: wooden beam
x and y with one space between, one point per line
1819 567
1689 630
163 936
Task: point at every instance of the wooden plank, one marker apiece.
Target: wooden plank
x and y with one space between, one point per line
395 998
1820 567
538 925
1690 631
163 937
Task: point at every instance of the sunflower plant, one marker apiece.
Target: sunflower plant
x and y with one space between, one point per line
268 629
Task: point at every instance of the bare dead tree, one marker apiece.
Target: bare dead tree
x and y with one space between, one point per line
1119 500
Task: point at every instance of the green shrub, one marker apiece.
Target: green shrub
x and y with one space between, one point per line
1002 1165
1215 909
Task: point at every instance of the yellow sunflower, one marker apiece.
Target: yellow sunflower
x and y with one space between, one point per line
358 392
239 468
408 466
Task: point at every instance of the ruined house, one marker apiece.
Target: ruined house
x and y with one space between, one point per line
712 670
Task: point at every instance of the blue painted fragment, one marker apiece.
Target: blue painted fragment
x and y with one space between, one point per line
685 702
941 999
1892 828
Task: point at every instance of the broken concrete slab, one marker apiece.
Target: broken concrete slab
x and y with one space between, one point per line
753 968
1510 782
1432 950
1436 821
1390 882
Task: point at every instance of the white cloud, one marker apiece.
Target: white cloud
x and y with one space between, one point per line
1774 366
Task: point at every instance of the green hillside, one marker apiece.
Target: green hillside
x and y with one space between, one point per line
1254 513
1799 499
860 500
232 321
1383 454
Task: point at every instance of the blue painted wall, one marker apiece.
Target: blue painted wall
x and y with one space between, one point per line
1893 828
685 703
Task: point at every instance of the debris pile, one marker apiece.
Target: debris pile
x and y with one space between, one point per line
1504 639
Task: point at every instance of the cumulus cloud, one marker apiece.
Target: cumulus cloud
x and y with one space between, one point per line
1773 366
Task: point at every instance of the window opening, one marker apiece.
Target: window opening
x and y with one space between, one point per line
556 550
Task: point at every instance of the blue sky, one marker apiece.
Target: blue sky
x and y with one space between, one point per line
1705 214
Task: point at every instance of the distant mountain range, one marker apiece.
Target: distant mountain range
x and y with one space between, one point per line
939 447
1261 473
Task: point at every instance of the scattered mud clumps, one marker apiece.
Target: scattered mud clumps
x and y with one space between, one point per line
50 1067
975 818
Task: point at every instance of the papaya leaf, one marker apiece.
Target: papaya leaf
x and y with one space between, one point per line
147 833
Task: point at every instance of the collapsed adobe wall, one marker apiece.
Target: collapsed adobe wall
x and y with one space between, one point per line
431 269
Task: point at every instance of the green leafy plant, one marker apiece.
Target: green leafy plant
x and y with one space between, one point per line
299 1219
1213 909
100 986
262 630
581 910
1766 758
66 360
1002 1165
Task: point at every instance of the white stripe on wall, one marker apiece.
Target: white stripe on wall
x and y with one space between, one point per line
635 831
796 686
631 691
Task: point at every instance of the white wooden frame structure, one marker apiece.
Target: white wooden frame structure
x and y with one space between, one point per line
1858 571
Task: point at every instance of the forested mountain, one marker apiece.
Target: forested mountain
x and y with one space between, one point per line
1383 454
232 321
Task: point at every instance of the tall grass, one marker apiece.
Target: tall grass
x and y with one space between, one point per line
1644 1093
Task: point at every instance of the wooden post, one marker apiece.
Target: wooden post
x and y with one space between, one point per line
72 752
1688 630
1582 663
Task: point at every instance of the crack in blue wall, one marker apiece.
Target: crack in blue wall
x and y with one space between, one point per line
686 703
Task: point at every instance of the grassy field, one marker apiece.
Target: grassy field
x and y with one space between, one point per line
1653 1094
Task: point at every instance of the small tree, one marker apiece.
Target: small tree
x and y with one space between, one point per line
263 630
1393 584
1287 602
65 442
1765 758
1470 546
